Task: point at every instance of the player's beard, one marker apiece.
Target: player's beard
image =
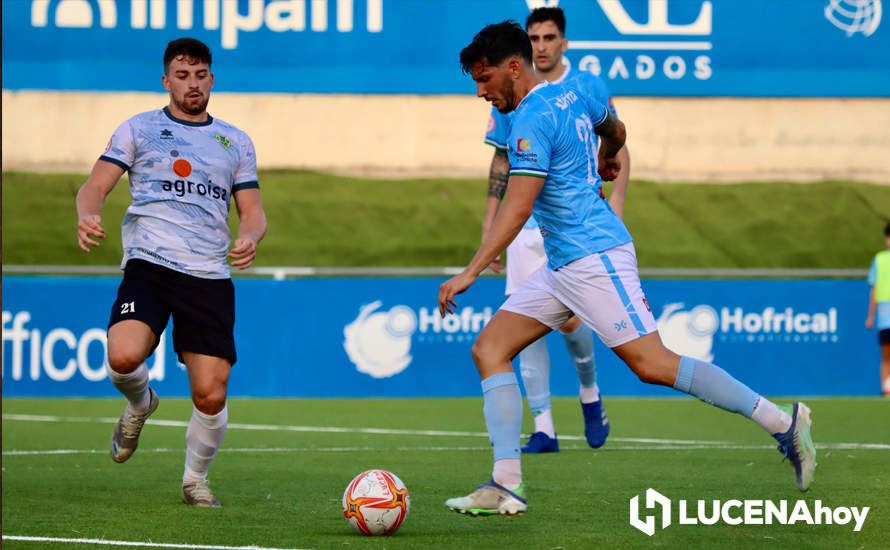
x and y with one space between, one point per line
194 107
509 98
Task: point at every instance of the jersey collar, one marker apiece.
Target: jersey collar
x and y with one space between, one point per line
565 74
207 122
537 87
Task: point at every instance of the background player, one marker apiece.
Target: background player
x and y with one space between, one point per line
591 268
525 254
879 303
184 166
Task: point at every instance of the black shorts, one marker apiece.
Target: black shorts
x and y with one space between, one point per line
203 309
884 336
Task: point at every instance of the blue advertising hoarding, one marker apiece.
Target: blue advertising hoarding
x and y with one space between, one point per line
807 48
383 337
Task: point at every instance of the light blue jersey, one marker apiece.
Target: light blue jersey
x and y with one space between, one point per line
588 84
496 136
552 137
182 177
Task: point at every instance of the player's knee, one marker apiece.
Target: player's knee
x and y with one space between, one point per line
649 374
209 401
485 354
123 360
478 352
651 370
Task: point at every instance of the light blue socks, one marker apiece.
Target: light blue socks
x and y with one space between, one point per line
534 365
580 346
715 386
502 408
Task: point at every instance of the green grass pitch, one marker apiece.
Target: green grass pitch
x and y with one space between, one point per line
285 463
325 220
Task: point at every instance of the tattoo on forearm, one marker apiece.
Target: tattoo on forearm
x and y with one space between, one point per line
607 127
498 175
612 133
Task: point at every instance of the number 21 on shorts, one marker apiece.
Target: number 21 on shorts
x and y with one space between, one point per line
128 307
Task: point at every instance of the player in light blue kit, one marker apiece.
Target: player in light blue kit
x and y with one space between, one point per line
185 168
591 268
525 254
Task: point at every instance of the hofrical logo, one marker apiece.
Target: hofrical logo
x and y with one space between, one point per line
660 512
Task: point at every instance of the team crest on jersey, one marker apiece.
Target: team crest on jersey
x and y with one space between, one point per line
492 124
166 134
224 141
524 150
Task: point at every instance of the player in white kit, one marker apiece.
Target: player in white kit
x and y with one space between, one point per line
184 168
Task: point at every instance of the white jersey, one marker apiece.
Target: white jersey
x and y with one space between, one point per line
182 177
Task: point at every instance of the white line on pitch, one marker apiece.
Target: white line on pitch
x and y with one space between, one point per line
104 542
825 447
335 429
667 444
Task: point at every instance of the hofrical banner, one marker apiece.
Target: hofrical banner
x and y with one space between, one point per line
383 337
810 48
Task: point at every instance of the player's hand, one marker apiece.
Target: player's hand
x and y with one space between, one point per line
243 253
89 228
608 167
869 322
496 265
451 288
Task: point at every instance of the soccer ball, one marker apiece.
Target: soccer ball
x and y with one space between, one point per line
376 502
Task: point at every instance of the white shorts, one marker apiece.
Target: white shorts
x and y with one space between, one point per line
525 255
602 289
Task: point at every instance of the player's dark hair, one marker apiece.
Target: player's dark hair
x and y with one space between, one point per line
495 43
190 48
540 15
887 229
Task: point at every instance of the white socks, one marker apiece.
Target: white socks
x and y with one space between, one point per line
133 385
544 423
590 394
507 472
202 439
770 417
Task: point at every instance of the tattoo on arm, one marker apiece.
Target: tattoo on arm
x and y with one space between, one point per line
498 175
607 127
613 133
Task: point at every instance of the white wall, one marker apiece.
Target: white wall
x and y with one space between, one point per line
721 139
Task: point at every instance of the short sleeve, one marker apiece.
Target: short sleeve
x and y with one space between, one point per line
121 148
498 130
246 174
873 272
604 96
597 110
530 144
596 88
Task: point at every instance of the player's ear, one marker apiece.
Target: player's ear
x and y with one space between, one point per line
565 45
514 65
166 82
